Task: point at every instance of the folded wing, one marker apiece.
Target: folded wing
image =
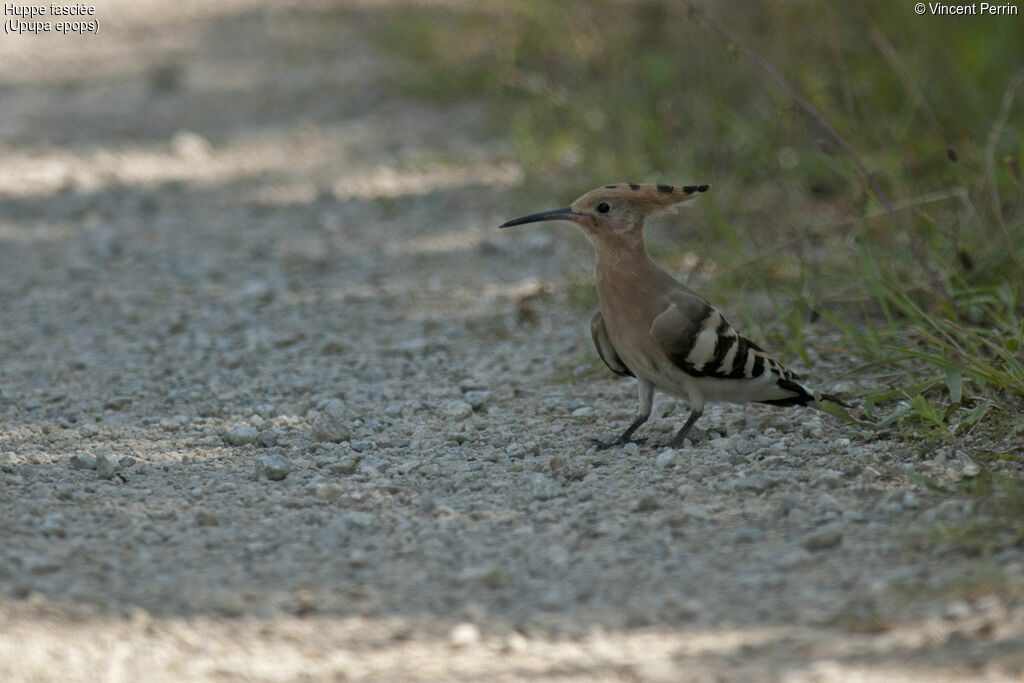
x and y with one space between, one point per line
698 339
604 347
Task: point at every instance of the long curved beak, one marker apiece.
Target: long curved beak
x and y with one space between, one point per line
565 214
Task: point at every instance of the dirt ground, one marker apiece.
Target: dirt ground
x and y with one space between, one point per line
279 402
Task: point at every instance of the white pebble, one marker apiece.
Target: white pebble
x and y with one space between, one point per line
456 410
667 458
464 635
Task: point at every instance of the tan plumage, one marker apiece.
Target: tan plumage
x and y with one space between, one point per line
657 329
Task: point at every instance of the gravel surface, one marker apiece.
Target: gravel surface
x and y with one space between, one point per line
280 402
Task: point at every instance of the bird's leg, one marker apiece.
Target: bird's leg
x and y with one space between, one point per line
677 440
646 402
624 437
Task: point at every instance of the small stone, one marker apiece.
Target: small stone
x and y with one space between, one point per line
677 609
458 437
552 599
477 399
329 493
516 642
456 410
971 469
41 564
755 483
543 487
82 461
242 435
486 577
104 468
719 444
824 538
359 558
269 437
890 509
362 445
53 526
748 535
227 604
464 635
567 468
332 347
794 558
330 428
631 449
829 479
273 467
741 445
347 465
667 458
852 515
827 502
190 146
957 609
206 518
558 556
522 450
471 384
647 503
735 458
117 403
125 462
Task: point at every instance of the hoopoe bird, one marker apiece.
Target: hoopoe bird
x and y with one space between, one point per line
654 328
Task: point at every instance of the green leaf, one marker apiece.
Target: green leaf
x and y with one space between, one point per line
868 406
901 410
836 411
973 417
956 385
926 410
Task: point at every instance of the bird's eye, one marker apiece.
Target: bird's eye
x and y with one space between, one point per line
603 207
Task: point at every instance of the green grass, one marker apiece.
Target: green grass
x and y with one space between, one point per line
865 164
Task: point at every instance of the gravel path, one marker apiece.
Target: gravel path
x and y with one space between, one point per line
279 402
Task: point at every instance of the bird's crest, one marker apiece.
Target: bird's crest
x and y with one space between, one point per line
657 196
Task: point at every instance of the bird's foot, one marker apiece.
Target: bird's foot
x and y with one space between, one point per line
604 445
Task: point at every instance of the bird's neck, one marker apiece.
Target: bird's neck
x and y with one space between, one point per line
626 267
623 255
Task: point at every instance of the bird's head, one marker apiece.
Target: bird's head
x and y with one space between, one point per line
615 212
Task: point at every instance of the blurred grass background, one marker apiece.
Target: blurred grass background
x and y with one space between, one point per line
917 264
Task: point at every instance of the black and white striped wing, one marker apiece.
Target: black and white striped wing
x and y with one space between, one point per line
603 344
704 344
